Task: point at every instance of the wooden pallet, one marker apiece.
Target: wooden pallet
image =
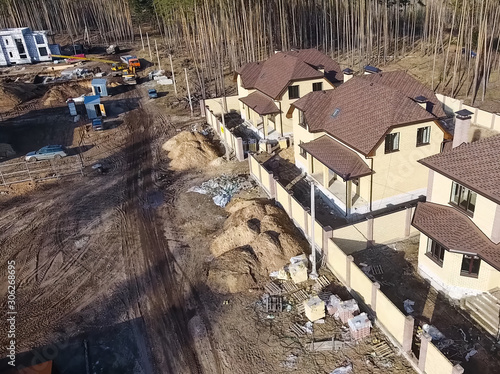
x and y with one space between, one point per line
297 330
382 350
325 345
273 289
377 270
300 296
323 281
274 304
289 287
300 308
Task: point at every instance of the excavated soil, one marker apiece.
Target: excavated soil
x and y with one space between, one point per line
15 93
58 94
256 239
190 150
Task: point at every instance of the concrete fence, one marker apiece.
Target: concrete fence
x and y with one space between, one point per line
389 318
232 142
479 117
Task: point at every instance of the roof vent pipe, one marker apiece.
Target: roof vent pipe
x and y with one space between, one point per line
348 74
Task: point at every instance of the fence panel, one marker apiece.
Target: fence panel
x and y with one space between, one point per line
390 317
336 261
436 362
282 196
298 214
361 284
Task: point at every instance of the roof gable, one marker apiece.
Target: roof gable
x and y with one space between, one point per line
475 165
272 76
360 112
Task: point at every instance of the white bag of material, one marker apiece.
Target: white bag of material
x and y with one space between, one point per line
343 370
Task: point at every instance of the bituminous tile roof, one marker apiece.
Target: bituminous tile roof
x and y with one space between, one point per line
260 103
454 230
366 108
273 75
475 165
343 161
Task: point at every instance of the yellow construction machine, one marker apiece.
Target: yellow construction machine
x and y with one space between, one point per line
115 66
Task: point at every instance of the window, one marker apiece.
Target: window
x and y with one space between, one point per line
39 39
6 41
470 266
42 51
302 121
435 251
303 152
20 46
11 55
463 198
392 142
423 135
318 86
293 92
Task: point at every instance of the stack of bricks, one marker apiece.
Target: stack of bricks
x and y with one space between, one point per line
347 310
360 326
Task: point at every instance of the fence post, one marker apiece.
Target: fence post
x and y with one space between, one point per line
272 185
375 289
424 344
349 261
290 204
240 154
370 242
327 234
250 164
457 369
306 221
408 333
409 215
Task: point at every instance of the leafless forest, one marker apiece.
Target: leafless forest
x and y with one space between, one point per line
461 35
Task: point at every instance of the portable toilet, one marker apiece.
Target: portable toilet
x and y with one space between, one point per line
94 107
99 87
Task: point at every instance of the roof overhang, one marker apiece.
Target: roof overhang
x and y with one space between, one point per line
260 103
343 161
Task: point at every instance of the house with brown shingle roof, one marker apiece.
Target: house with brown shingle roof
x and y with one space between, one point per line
266 89
460 222
361 141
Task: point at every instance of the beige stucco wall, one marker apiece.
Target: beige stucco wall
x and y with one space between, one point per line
390 317
436 362
447 277
362 284
484 213
399 172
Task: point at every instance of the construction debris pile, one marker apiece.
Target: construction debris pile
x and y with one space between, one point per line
223 188
190 150
256 239
58 94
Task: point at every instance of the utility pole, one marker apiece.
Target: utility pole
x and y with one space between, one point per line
189 93
173 75
314 274
149 47
142 40
158 56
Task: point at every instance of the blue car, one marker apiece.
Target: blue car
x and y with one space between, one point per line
152 93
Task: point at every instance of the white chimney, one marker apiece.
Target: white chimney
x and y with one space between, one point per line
462 126
371 69
348 74
276 51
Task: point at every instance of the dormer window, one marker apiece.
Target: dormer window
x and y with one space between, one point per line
318 86
463 198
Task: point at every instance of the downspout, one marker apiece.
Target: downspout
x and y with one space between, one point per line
346 202
371 185
281 119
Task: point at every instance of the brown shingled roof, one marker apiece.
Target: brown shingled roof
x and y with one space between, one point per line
344 162
260 103
475 165
273 75
408 86
365 112
455 231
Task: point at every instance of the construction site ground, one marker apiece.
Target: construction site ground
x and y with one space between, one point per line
400 281
111 266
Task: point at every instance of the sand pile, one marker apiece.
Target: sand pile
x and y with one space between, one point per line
190 150
256 239
14 93
57 95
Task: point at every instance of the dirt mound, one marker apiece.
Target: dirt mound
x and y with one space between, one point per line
14 93
190 150
6 150
257 238
57 95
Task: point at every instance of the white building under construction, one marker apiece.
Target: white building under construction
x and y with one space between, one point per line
23 46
